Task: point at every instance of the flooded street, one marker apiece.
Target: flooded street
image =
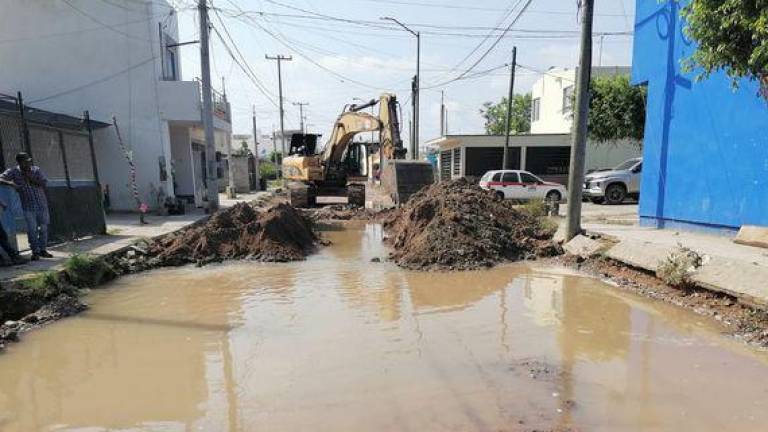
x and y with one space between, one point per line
338 343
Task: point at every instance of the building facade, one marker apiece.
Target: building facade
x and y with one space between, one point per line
546 155
120 59
705 151
552 98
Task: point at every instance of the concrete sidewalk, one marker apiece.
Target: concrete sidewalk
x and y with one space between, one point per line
738 270
123 229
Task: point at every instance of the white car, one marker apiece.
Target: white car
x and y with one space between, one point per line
521 185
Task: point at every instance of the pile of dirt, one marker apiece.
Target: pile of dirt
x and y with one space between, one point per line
276 234
458 226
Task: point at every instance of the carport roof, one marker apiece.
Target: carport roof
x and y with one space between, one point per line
9 108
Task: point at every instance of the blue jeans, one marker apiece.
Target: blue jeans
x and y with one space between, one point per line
37 229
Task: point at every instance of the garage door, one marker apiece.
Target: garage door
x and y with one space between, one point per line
483 159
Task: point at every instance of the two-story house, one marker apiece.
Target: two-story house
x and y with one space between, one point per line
121 59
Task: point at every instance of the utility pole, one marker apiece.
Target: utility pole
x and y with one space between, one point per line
279 58
418 89
579 137
505 164
442 113
256 150
212 181
414 134
231 189
415 87
301 106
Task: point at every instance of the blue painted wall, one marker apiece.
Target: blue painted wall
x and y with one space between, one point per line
706 145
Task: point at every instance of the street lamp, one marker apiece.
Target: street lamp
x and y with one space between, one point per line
415 138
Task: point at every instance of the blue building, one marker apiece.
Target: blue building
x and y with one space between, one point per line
706 144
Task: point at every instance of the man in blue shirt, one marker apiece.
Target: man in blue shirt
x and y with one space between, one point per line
30 183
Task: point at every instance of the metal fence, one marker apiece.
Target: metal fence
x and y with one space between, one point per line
62 146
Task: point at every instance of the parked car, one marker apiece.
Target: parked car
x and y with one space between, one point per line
615 185
521 185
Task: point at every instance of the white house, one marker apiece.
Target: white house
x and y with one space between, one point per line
115 58
552 98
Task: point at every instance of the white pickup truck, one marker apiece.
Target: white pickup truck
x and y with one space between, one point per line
615 185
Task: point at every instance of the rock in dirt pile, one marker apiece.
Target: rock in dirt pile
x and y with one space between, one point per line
339 212
276 234
458 226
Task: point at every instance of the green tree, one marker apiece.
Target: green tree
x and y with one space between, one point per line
616 109
495 115
732 35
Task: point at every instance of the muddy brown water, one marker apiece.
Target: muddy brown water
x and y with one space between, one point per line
337 343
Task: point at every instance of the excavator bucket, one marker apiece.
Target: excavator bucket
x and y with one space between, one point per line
403 178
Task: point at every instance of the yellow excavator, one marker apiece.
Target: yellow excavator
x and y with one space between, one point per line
343 166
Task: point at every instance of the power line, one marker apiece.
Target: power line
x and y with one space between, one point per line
306 57
498 39
377 26
98 81
244 66
506 15
103 24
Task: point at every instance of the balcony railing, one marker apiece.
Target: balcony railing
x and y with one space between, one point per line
219 101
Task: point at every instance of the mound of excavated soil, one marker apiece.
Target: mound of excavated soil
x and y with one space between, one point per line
458 226
276 234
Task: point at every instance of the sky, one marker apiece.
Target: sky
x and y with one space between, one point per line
341 50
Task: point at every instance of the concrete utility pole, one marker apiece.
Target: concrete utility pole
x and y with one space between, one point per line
231 189
301 106
212 181
256 150
505 164
279 58
416 86
579 137
442 113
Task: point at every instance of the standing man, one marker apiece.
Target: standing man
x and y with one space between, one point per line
30 183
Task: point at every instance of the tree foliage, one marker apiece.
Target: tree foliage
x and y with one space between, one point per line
495 115
616 109
732 35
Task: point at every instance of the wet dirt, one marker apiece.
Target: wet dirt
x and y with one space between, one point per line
277 233
744 322
456 225
340 212
338 343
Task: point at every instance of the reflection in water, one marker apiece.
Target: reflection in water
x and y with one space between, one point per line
341 343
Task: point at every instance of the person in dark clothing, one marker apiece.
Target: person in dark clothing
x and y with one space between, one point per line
30 182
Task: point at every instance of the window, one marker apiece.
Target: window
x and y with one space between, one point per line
568 99
627 164
536 109
528 178
638 168
497 177
510 177
170 72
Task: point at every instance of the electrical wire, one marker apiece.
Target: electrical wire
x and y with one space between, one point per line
98 81
244 66
498 39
